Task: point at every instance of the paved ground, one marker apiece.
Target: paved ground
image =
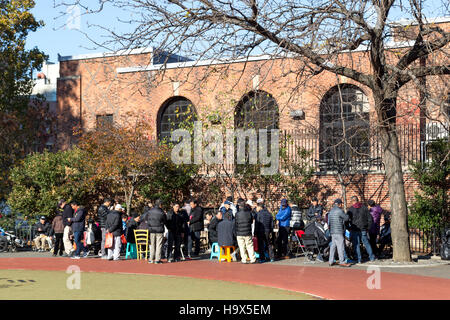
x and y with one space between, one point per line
328 282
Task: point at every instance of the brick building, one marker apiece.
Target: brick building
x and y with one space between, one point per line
112 87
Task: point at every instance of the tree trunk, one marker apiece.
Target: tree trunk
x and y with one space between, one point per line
394 176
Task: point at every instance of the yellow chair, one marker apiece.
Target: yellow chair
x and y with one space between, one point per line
228 250
142 246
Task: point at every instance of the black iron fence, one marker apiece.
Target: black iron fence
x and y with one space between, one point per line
426 241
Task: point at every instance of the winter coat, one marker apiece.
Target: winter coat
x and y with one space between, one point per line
315 228
45 229
57 224
360 218
336 220
102 214
156 220
375 212
175 222
114 223
212 230
129 233
78 220
196 219
284 216
243 221
226 233
314 211
67 213
263 222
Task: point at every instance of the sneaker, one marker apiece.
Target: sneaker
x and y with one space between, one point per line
54 255
344 265
331 264
319 258
272 260
150 261
252 262
170 260
158 262
75 257
244 262
86 254
118 259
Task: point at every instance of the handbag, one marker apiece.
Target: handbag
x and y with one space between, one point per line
109 239
123 239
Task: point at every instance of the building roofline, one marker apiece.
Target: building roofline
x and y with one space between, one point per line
407 22
97 55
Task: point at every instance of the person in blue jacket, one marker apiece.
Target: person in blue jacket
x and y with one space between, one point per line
284 219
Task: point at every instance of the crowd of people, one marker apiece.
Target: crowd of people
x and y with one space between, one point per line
247 225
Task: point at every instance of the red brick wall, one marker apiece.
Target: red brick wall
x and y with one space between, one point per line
92 87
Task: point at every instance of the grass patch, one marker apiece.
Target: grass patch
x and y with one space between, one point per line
52 285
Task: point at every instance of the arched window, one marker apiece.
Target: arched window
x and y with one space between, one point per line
257 110
175 113
344 125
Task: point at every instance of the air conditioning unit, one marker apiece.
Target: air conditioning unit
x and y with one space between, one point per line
436 130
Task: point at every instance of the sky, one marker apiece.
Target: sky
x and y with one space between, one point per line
63 35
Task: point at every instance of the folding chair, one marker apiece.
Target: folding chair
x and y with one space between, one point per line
142 246
295 238
309 243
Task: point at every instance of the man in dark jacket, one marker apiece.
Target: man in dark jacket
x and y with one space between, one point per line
360 223
212 228
67 213
314 210
175 226
263 231
336 220
243 221
226 231
184 219
156 220
195 227
43 229
113 225
78 222
58 228
103 211
132 225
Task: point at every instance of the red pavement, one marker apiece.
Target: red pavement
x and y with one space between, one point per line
330 283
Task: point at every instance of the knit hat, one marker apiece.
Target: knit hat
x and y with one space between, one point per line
338 201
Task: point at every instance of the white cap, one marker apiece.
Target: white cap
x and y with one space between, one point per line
250 202
118 207
260 200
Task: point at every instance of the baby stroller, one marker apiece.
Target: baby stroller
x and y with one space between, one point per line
315 241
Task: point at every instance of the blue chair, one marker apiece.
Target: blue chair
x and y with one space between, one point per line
131 251
215 251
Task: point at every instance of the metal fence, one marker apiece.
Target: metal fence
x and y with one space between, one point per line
426 241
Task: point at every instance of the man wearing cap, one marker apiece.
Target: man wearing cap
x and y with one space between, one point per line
284 219
226 207
113 225
336 220
43 232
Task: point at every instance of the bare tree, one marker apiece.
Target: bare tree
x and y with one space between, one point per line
322 35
